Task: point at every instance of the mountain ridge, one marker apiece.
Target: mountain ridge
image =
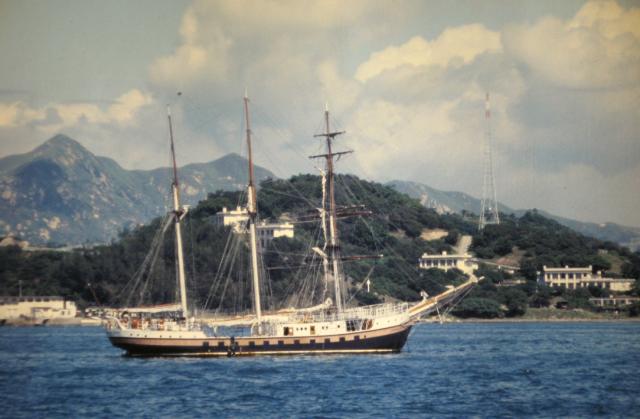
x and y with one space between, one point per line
456 202
61 192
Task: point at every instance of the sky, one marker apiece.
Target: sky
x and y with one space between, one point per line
405 79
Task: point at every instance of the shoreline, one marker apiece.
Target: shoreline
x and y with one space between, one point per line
543 320
76 321
546 315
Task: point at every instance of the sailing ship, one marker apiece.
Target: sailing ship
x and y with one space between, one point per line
328 328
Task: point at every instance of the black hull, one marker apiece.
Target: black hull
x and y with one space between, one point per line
385 341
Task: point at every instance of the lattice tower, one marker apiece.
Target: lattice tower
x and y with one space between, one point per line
489 207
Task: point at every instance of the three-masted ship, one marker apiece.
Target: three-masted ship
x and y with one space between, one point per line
330 328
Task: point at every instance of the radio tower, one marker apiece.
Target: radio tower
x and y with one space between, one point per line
489 208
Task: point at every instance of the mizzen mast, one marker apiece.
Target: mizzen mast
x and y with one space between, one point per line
253 214
179 212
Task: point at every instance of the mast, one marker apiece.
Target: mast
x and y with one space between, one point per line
179 213
334 242
333 230
323 218
253 214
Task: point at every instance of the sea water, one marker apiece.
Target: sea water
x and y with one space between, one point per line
454 370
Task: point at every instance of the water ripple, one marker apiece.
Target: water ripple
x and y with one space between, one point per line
451 370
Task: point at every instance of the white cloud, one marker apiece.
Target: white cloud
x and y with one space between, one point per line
114 130
17 113
193 61
565 97
565 110
127 106
598 48
122 112
454 47
342 92
232 40
608 18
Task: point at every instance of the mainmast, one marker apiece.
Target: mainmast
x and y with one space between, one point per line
179 213
253 214
334 242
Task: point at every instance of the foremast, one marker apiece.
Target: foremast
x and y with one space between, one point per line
334 241
178 214
253 215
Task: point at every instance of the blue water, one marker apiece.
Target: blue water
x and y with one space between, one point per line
454 370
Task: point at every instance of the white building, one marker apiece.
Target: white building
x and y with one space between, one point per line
446 261
267 232
614 302
36 308
582 277
237 218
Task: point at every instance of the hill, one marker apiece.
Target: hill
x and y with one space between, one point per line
217 261
62 193
291 269
442 201
394 230
457 202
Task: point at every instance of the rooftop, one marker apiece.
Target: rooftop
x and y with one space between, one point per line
568 269
446 255
28 298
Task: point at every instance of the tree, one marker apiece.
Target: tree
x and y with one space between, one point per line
578 298
634 310
452 237
528 269
516 301
542 297
600 263
482 308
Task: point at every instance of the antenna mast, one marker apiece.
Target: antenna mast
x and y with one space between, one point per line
179 213
489 208
253 214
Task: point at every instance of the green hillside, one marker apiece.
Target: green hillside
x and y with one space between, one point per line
394 231
292 275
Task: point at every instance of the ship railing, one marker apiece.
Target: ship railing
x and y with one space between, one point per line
152 324
367 312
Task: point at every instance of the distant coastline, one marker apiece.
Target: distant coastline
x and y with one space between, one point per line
544 315
76 321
